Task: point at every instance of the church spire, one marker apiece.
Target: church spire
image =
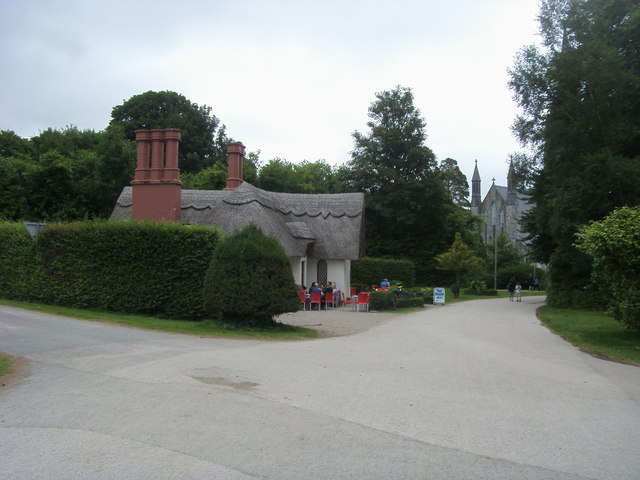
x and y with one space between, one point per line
475 187
512 195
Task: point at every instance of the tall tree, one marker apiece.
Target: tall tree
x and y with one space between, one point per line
580 100
203 137
459 259
455 182
407 205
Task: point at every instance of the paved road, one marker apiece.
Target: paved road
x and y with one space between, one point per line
475 390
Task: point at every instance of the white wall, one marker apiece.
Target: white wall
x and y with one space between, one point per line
338 271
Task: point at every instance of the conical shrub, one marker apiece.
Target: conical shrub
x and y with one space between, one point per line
249 280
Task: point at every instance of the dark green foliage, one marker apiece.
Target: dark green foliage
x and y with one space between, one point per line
580 98
522 272
20 269
614 245
63 175
409 212
381 300
278 175
249 280
133 267
455 289
455 182
203 138
414 297
406 297
371 271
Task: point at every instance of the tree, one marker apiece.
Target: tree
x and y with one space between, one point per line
455 182
12 145
277 175
459 259
249 281
580 100
203 138
614 245
407 206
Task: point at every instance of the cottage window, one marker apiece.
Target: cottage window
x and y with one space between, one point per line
322 272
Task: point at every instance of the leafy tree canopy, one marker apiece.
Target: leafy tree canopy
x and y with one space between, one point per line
408 210
459 259
580 100
455 182
203 138
614 245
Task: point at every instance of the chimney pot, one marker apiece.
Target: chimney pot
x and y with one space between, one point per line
235 152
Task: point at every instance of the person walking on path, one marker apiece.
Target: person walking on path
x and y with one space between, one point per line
518 292
511 286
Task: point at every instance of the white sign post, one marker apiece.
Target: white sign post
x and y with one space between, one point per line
438 296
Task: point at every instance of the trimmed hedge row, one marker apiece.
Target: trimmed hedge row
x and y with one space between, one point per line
21 272
409 297
134 267
371 271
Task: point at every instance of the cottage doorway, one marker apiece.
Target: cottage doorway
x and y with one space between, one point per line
322 272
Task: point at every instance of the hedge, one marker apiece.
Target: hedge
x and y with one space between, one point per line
407 297
21 272
137 267
131 267
371 271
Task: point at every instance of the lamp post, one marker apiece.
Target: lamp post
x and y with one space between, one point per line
495 259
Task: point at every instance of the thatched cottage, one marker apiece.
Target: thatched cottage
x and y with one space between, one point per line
320 233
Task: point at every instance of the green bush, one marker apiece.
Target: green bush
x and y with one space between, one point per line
414 297
370 271
455 289
249 280
381 300
405 302
476 285
135 267
21 273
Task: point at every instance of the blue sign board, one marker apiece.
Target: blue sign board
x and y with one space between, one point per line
438 295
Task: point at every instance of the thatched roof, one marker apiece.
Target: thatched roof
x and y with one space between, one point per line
329 226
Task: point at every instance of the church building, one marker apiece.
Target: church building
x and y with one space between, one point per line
501 210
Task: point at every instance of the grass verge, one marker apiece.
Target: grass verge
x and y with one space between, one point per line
5 364
594 332
203 329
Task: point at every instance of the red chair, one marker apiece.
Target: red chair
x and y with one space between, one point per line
383 288
354 291
328 300
303 299
363 299
316 298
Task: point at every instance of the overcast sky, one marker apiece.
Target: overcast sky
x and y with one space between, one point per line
292 79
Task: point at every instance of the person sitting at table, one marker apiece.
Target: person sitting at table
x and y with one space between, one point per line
385 283
303 290
315 288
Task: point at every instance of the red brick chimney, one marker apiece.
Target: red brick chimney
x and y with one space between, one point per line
157 187
235 175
